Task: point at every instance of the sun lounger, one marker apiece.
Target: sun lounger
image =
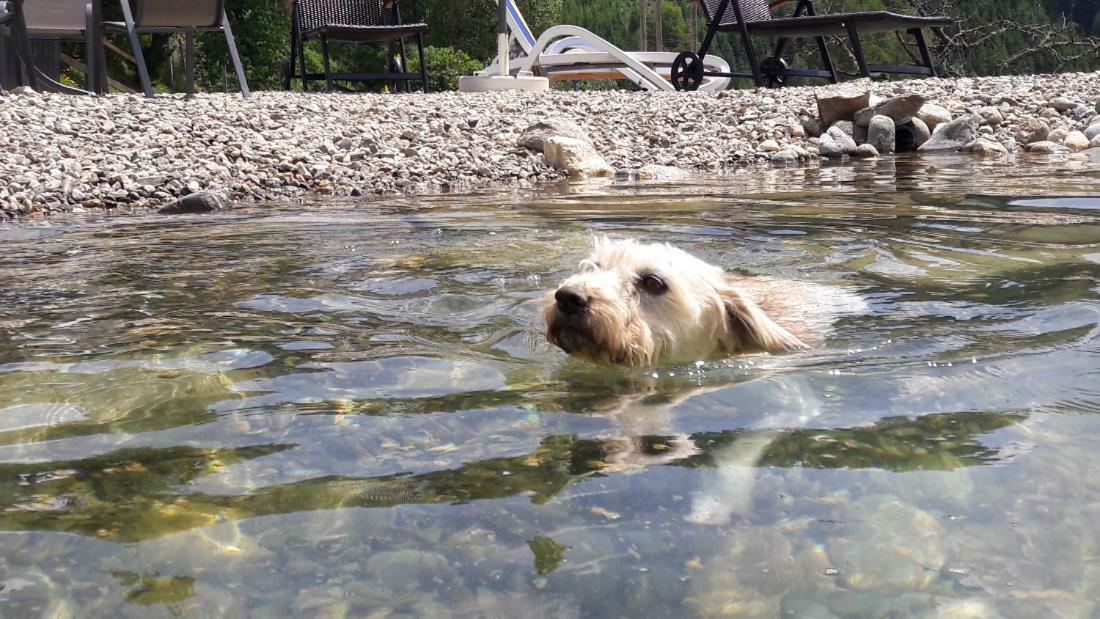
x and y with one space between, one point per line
749 18
573 53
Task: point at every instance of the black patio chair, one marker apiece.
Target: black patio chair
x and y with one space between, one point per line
57 20
362 21
170 16
750 18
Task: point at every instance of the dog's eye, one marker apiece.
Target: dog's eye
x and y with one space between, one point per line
654 285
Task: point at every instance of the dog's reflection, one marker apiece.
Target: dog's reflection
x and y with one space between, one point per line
646 434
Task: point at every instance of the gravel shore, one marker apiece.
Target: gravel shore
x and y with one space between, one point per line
65 153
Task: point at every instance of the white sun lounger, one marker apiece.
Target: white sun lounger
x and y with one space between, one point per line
573 53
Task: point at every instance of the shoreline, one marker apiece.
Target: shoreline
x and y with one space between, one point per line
74 154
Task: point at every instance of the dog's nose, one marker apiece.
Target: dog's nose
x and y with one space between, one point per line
570 300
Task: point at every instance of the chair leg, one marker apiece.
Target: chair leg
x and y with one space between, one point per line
288 79
238 68
826 60
189 61
857 49
302 63
423 64
750 53
925 54
91 28
404 62
135 45
328 67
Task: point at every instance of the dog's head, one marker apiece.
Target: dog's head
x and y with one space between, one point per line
638 304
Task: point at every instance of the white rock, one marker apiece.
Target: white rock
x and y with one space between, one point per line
1076 141
769 146
985 146
653 172
932 115
881 134
575 157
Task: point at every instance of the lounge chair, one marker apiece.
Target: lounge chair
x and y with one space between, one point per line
572 53
361 21
751 18
171 16
60 20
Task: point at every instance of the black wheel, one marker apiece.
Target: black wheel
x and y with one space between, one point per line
774 70
687 71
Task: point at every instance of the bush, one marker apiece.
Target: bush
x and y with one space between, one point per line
445 66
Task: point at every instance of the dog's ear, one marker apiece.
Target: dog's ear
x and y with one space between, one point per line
748 329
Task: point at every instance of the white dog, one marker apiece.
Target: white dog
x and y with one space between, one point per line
640 304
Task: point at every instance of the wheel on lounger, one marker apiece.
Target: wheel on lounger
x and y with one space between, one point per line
687 71
774 71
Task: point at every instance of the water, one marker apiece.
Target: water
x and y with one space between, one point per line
349 409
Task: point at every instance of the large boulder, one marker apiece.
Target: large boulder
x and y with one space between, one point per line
1093 130
576 157
841 101
881 134
1076 141
836 143
200 202
535 136
952 136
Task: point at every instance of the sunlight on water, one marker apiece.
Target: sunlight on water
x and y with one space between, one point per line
350 409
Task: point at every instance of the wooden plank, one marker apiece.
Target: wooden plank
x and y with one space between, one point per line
80 66
119 51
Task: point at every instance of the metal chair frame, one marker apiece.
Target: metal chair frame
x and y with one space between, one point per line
21 35
322 26
805 22
134 28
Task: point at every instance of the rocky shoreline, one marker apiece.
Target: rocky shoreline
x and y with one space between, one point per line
66 154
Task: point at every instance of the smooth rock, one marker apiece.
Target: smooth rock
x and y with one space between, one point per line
846 126
1095 142
881 135
576 157
841 101
829 148
200 202
844 140
535 136
1076 141
1031 130
865 151
863 117
933 115
811 126
653 172
952 135
1092 131
987 147
1045 147
1057 135
784 155
1062 104
768 146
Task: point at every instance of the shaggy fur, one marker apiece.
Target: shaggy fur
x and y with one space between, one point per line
701 312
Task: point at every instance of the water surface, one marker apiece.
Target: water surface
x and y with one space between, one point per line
347 409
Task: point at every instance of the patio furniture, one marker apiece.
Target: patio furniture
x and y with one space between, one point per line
567 52
171 16
360 21
750 18
58 20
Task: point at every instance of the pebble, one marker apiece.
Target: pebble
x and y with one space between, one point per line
114 150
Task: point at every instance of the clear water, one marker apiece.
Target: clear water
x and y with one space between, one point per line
348 409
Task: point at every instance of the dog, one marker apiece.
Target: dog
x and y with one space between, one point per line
639 304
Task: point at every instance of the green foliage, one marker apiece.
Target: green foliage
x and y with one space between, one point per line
445 66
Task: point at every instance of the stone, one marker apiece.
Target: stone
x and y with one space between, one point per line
842 139
1076 141
863 117
933 115
951 136
784 155
575 157
1031 130
796 130
900 109
881 135
1092 131
990 116
22 90
841 101
1081 111
811 126
846 126
201 202
987 147
1098 106
830 148
865 151
1057 135
653 172
768 146
535 136
911 135
1062 104
1045 147
1094 142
